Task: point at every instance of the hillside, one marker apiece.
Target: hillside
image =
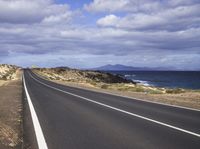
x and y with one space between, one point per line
8 72
74 75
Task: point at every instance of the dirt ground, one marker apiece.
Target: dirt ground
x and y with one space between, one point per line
10 113
190 99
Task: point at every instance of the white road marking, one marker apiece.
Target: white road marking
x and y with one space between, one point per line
134 98
38 130
120 110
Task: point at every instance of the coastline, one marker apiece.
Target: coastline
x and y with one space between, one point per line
177 97
166 79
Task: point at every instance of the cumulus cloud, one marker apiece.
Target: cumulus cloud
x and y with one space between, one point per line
179 18
109 20
106 5
135 5
31 11
124 5
132 32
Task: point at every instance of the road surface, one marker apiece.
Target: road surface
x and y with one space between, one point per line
73 118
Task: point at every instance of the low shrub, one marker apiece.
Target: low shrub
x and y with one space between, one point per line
175 91
155 92
104 86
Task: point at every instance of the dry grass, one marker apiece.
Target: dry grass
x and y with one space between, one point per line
188 98
2 82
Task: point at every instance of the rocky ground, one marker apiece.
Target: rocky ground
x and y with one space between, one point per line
8 72
10 107
84 76
99 81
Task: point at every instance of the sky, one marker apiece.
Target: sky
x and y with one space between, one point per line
92 33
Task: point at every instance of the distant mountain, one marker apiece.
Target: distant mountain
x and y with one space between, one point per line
63 67
119 67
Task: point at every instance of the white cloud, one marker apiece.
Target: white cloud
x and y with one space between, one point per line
65 17
106 5
148 32
31 11
4 30
135 5
109 20
124 6
179 18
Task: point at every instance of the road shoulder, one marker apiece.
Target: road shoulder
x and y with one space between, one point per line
11 114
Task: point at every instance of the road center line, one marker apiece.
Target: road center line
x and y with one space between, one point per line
120 110
38 130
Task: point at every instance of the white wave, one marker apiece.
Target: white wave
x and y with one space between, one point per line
145 83
128 75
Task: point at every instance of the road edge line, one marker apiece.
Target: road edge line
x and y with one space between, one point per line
38 130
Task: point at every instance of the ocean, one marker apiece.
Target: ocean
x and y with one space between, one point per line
167 79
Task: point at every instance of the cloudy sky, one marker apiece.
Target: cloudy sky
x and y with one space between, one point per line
90 33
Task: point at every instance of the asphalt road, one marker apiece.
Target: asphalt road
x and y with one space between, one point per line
72 118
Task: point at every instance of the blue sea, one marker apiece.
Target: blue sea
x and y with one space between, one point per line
168 79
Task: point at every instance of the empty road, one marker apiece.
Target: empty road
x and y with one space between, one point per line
72 118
